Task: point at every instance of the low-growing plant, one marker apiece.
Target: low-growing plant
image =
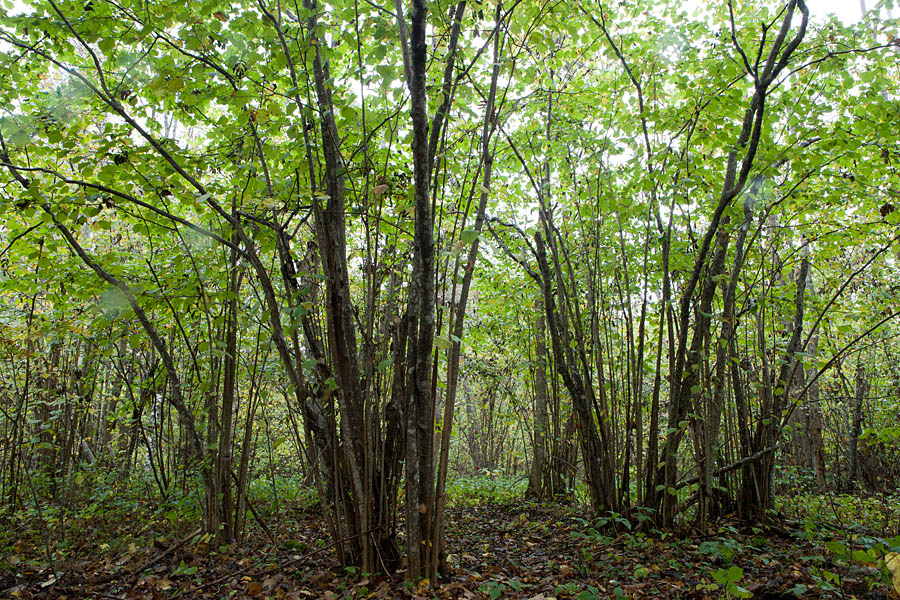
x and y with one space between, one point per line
495 589
486 488
728 579
723 549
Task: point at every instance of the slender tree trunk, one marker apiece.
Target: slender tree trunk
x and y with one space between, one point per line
229 387
758 493
814 413
682 376
536 486
453 359
600 487
419 406
691 384
862 390
708 509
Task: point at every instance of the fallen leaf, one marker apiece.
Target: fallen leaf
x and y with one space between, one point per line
892 562
253 588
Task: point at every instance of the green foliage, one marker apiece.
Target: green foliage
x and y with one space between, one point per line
590 533
837 523
101 502
496 589
724 549
152 130
728 579
184 570
282 488
484 489
823 512
592 593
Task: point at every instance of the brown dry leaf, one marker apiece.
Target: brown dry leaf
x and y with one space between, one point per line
164 583
253 588
269 583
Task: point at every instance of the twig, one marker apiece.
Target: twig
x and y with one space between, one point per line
255 514
271 569
149 563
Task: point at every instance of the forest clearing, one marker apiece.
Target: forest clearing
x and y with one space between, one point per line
449 299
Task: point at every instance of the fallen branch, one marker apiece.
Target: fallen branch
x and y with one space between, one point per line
733 466
255 514
272 569
147 564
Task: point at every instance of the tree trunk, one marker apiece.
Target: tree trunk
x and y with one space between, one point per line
600 480
536 486
229 385
709 508
682 376
862 390
814 427
758 495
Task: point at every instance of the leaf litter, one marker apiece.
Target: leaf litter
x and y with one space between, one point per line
516 550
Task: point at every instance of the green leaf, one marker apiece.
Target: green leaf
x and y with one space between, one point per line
442 342
862 556
106 44
468 236
349 113
734 573
20 138
836 547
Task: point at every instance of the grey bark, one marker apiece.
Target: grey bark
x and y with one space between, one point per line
536 488
862 390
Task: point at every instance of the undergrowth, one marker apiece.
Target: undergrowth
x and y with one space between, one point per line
485 488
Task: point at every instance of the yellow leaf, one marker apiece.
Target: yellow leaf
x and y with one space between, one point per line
892 562
269 202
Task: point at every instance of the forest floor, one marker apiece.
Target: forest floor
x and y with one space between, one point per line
512 550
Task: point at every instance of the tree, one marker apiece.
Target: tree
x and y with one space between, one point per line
193 188
203 114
